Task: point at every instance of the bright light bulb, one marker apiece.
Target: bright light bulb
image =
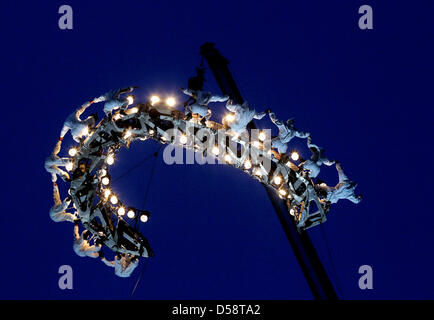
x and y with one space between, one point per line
110 159
130 100
277 179
107 192
103 172
134 110
262 136
69 166
183 139
127 134
155 99
117 116
151 131
105 181
72 152
230 117
258 172
282 192
113 199
247 164
295 156
143 218
130 214
215 150
85 131
121 211
228 158
170 101
291 212
256 144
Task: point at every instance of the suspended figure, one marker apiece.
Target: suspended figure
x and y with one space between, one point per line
82 246
114 101
199 105
58 211
243 115
287 131
123 263
79 128
316 160
345 189
53 162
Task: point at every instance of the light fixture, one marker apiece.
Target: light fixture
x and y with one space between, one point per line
127 134
134 110
170 101
247 164
291 212
155 99
277 179
215 150
105 181
72 152
151 131
262 136
117 116
258 172
103 172
283 192
228 158
295 156
143 218
130 100
69 166
130 214
230 117
110 159
107 192
113 199
183 139
121 211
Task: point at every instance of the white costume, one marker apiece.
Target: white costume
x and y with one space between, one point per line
53 161
82 247
113 99
58 211
243 115
202 98
345 189
286 133
78 127
316 160
124 266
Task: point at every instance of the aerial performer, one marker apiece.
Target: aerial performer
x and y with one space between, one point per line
243 115
53 162
123 263
81 244
113 100
313 165
287 131
58 210
79 128
345 189
199 106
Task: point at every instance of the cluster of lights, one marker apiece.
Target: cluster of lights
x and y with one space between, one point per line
170 101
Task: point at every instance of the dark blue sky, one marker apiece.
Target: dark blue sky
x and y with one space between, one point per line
366 96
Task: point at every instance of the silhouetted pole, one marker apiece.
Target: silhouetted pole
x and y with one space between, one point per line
313 270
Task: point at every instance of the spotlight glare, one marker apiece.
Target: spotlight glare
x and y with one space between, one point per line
247 164
72 152
262 136
110 159
143 218
215 150
69 166
295 156
130 214
113 199
155 99
228 158
121 211
130 100
277 180
230 117
170 101
183 139
107 192
105 181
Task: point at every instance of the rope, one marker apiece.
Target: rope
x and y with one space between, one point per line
138 280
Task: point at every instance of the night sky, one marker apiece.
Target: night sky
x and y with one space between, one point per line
365 95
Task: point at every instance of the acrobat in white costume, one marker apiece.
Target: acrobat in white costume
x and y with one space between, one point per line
53 162
286 133
124 266
113 99
78 127
316 160
58 211
345 189
201 100
82 246
243 115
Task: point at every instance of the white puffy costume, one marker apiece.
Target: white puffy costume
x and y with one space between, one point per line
113 100
58 211
243 115
53 162
287 131
317 159
201 100
79 128
124 266
82 246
